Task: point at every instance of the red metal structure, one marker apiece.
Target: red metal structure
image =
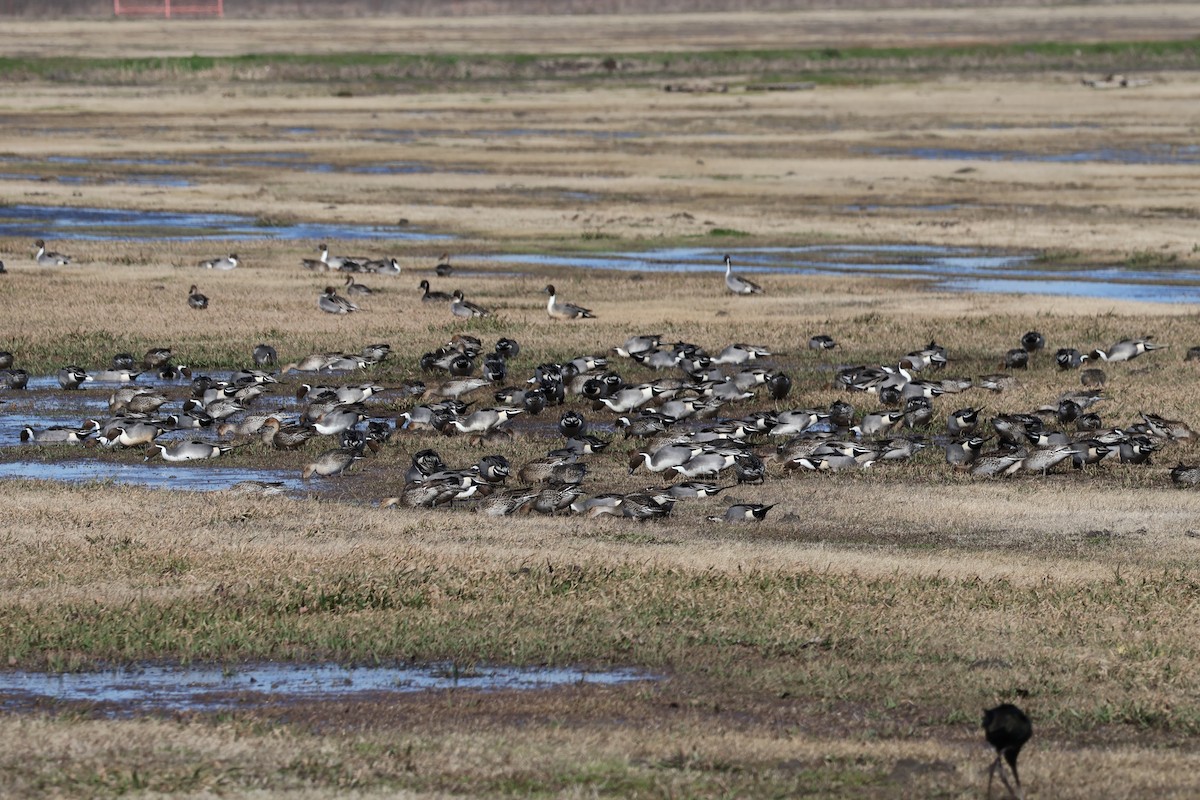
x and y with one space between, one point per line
169 8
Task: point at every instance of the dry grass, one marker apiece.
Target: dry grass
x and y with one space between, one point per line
843 647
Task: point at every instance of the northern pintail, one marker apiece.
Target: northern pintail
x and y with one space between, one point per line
338 262
1069 358
1006 729
14 378
195 299
131 434
572 423
6 359
499 504
738 284
1033 341
996 465
332 303
59 434
285 437
265 355
553 469
157 357
1016 358
740 353
1127 349
821 342
443 268
486 420
1136 450
964 453
705 464
559 310
663 458
72 377
428 296
555 498
332 462
1185 475
223 263
743 512
964 421
48 258
382 266
188 451
465 309
352 287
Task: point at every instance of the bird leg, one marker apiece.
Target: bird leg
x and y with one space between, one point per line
1018 793
992 775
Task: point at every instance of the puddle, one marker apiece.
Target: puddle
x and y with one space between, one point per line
1145 154
948 268
212 688
155 474
69 222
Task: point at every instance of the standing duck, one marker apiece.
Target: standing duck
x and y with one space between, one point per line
559 310
738 284
197 300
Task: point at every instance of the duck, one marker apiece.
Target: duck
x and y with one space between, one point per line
443 267
265 355
821 341
72 377
285 437
332 462
3 271
48 258
465 309
337 262
222 263
131 434
1127 349
14 378
428 296
1032 341
500 504
743 512
157 357
197 300
1185 475
486 420
738 284
662 459
353 287
58 434
382 266
332 303
558 310
194 450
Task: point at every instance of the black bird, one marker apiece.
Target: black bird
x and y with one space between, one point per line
1007 729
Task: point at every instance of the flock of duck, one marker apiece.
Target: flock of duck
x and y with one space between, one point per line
691 426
